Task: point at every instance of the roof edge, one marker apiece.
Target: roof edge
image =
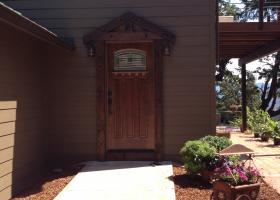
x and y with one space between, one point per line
127 19
17 20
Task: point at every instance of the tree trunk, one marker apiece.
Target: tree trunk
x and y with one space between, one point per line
222 68
272 90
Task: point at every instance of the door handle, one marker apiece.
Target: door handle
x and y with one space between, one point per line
110 101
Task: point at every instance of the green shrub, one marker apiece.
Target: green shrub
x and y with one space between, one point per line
219 143
196 155
237 122
261 121
276 133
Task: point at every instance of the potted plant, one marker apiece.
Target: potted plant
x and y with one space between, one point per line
267 129
233 181
237 122
195 155
258 120
219 143
276 134
200 156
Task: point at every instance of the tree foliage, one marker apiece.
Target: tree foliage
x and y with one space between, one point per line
228 9
229 92
251 10
270 90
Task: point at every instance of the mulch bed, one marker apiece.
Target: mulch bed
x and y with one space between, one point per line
50 185
187 188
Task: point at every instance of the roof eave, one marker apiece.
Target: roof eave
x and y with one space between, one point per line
15 19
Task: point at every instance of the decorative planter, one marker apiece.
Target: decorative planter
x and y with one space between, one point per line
225 191
257 134
223 134
276 141
206 175
265 137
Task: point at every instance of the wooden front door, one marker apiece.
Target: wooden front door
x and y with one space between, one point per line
130 96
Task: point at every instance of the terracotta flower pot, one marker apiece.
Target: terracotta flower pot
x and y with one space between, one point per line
257 134
276 141
265 137
206 175
225 191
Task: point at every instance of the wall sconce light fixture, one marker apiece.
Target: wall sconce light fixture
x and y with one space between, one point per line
167 51
91 51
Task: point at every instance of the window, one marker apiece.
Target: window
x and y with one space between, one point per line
130 60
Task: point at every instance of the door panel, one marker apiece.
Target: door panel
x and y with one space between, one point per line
131 96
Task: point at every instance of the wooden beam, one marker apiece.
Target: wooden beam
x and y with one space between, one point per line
234 27
265 50
244 97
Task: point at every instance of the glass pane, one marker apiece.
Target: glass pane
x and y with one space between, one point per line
130 60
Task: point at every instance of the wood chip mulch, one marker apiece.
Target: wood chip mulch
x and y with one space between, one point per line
50 185
187 188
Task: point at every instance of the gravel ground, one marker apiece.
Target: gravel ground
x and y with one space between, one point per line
50 185
185 187
195 189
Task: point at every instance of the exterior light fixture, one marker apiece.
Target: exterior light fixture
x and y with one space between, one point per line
91 51
167 51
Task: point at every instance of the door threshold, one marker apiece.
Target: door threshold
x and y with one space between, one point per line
131 155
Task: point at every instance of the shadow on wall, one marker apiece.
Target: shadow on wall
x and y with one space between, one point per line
7 141
21 161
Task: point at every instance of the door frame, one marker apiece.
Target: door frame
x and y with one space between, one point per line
123 29
102 98
151 67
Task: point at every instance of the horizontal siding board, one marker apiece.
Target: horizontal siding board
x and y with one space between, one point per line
179 31
185 41
7 141
8 104
7 128
21 105
6 168
91 12
5 181
177 51
55 4
6 193
6 154
7 115
72 148
72 108
94 23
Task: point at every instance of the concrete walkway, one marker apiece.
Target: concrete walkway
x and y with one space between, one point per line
269 165
121 180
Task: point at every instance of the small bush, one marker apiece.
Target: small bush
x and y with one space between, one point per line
236 122
196 156
219 143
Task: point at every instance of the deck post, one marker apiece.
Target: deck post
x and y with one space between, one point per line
244 98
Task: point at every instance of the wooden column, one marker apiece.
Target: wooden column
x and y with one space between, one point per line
244 97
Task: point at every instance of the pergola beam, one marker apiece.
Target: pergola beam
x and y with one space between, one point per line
265 50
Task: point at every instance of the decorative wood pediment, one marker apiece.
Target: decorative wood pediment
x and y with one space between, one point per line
129 27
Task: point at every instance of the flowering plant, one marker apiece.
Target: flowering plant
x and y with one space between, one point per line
237 174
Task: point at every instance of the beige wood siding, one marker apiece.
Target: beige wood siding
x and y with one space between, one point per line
189 100
22 138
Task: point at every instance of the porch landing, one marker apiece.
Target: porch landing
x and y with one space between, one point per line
121 180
